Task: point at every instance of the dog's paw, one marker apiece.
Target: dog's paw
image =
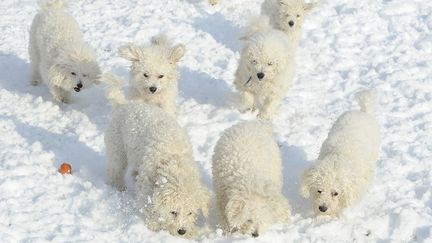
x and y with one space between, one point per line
264 116
247 109
61 99
34 82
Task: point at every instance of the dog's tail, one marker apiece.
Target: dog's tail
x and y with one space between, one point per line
160 40
113 91
255 25
366 99
53 4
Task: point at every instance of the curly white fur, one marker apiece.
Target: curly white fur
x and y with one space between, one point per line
347 159
287 15
154 75
247 177
59 56
157 150
266 68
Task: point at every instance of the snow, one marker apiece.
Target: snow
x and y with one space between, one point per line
384 45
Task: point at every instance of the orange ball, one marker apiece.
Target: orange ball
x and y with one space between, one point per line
65 168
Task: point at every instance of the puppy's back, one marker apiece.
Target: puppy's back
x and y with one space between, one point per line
247 154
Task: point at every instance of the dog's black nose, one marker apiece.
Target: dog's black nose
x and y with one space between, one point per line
260 75
152 89
181 231
255 234
322 208
291 23
79 85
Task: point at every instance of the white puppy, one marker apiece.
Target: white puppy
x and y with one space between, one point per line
287 15
347 159
148 141
59 56
154 75
266 69
247 177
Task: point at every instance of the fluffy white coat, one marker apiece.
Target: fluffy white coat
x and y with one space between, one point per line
288 16
247 177
148 141
266 69
59 56
347 160
154 72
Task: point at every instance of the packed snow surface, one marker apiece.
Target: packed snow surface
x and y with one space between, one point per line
346 46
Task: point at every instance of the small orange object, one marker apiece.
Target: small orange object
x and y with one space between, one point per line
65 168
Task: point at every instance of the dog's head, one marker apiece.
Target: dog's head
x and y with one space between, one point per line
154 67
177 208
292 14
330 187
252 214
75 68
265 56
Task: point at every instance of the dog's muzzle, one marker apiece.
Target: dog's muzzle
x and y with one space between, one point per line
78 87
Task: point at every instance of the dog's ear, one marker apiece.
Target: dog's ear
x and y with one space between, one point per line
130 52
177 52
308 179
234 209
307 7
56 75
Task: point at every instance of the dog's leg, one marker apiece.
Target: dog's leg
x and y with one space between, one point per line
248 101
59 94
34 58
269 108
116 165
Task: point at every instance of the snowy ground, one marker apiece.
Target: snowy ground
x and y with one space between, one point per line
385 45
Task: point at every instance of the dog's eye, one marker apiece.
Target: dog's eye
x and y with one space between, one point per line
146 75
298 15
334 194
319 191
85 75
160 76
254 62
190 213
73 73
250 221
174 213
270 63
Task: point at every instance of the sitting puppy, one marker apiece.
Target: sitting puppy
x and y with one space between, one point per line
287 15
154 75
146 140
60 58
247 177
266 69
347 160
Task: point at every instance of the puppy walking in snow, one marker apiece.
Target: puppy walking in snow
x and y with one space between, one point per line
59 56
266 69
148 141
247 177
288 16
346 163
153 73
